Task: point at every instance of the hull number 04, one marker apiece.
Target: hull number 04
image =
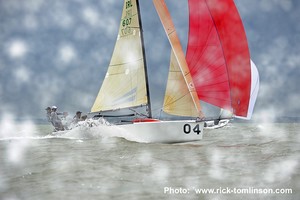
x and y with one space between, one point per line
187 129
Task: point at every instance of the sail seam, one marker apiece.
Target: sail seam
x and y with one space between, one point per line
221 44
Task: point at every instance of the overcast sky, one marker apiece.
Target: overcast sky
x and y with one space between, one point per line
57 52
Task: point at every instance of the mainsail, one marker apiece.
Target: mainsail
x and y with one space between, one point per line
218 55
125 84
181 97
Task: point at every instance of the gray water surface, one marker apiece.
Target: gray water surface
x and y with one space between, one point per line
94 165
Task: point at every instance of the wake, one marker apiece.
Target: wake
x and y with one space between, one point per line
89 129
93 129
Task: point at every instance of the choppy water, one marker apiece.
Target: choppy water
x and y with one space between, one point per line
89 165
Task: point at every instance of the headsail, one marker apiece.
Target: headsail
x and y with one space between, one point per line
254 90
180 86
218 55
125 83
178 100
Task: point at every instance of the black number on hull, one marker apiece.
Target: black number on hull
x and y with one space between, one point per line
187 129
197 129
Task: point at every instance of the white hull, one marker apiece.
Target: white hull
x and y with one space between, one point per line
163 131
146 132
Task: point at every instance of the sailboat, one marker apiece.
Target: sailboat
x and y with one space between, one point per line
126 85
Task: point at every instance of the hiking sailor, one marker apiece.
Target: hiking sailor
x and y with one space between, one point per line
77 117
55 120
48 114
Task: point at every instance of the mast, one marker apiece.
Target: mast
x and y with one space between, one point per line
145 62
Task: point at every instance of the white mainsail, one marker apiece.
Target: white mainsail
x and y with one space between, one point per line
124 85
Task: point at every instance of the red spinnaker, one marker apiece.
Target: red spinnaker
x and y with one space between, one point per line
218 55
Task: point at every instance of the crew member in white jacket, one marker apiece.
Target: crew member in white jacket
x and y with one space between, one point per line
55 120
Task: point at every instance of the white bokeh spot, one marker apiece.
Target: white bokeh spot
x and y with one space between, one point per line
67 53
17 48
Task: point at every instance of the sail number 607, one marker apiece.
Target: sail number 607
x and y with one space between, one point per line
187 129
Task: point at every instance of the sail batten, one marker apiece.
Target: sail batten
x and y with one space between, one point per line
125 63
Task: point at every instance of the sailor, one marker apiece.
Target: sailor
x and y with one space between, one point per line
55 120
83 118
77 117
48 114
